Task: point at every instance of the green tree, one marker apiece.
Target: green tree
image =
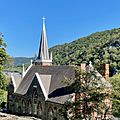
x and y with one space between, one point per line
3 60
115 81
90 93
100 47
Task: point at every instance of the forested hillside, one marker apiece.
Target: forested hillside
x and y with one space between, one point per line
100 47
18 61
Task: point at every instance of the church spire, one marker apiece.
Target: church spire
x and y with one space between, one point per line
43 55
43 50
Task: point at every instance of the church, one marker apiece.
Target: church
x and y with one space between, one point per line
39 91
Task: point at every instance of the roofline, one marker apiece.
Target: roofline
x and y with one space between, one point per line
27 70
42 86
14 84
38 60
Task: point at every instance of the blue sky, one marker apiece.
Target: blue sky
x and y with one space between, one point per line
66 20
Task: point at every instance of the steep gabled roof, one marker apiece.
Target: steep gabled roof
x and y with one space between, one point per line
44 81
51 77
15 78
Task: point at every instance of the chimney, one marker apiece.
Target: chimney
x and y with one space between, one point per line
82 70
82 67
80 96
105 71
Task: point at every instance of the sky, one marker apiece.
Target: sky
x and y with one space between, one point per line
66 20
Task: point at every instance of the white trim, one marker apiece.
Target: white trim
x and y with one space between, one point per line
27 70
23 72
42 86
13 80
43 60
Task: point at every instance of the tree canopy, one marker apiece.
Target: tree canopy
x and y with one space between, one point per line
90 96
3 60
115 81
99 48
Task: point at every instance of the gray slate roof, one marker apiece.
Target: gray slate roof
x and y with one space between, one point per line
51 78
58 74
62 99
15 78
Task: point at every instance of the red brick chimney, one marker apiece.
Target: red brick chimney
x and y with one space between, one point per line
105 71
79 96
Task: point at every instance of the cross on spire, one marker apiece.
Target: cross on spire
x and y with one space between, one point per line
43 20
43 54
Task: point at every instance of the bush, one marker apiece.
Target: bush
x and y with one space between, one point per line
3 96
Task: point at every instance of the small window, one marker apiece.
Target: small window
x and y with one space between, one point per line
35 96
35 99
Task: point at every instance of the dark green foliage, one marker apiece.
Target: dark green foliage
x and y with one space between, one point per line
91 93
3 60
115 81
100 47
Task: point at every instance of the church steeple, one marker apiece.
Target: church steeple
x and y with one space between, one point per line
43 56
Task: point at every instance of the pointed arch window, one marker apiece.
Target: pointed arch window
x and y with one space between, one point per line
29 107
10 105
55 111
50 113
39 110
23 106
35 96
35 99
16 105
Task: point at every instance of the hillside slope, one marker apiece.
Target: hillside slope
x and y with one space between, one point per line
18 61
100 47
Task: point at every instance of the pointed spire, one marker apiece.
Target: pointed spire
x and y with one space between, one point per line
43 56
43 50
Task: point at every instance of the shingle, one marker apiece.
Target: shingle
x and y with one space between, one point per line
54 75
16 78
46 80
62 99
58 74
